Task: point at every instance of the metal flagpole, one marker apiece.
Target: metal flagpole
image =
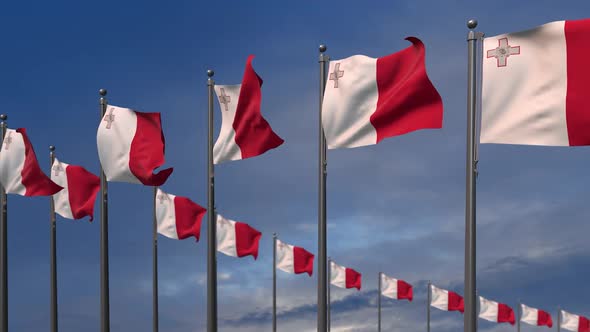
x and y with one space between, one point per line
211 225
328 294
470 317
429 300
52 251
274 282
105 324
3 245
155 322
558 319
379 305
322 230
518 316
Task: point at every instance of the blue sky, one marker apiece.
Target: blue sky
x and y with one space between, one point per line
397 207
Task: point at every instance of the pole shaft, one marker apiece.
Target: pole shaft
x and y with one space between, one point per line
155 312
558 319
328 296
104 242
470 317
322 229
274 283
379 305
429 300
52 255
519 315
211 226
3 251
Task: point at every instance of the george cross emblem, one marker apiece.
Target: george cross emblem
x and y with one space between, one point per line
7 140
336 75
162 198
109 118
57 168
503 51
224 99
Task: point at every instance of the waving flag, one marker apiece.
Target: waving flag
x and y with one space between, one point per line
178 217
395 288
77 198
294 259
344 277
495 312
535 317
236 238
574 323
446 300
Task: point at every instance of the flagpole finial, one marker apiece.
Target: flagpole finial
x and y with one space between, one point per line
3 117
102 92
210 73
472 24
323 48
51 148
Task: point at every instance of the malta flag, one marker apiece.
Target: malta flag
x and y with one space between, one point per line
367 99
294 259
19 170
236 238
535 86
244 132
80 187
445 300
395 288
178 217
344 277
573 322
131 146
495 312
535 317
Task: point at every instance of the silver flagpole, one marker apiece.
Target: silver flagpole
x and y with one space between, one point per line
518 316
470 317
274 282
558 319
3 245
211 225
328 295
322 230
52 250
429 300
379 305
155 312
105 320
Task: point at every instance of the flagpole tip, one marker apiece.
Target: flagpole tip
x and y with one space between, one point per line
210 73
51 148
323 48
3 117
102 92
472 24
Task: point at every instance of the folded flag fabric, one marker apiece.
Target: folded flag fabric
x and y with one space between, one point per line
19 170
244 132
80 187
495 312
178 217
395 288
344 277
446 300
573 322
131 146
294 259
367 100
236 238
534 86
535 317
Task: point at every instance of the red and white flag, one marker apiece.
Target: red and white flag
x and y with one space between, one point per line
178 217
19 170
131 146
244 132
80 187
535 86
495 312
535 317
344 277
236 238
294 259
396 288
574 323
445 300
367 100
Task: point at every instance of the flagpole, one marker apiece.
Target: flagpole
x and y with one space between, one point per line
379 305
274 282
429 300
519 316
52 250
323 287
155 322
328 294
211 226
104 237
558 319
3 245
470 317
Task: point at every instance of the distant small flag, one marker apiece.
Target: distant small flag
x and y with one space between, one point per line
244 132
19 170
495 311
294 259
396 288
178 217
446 300
236 238
574 323
131 146
535 317
77 199
344 277
367 100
